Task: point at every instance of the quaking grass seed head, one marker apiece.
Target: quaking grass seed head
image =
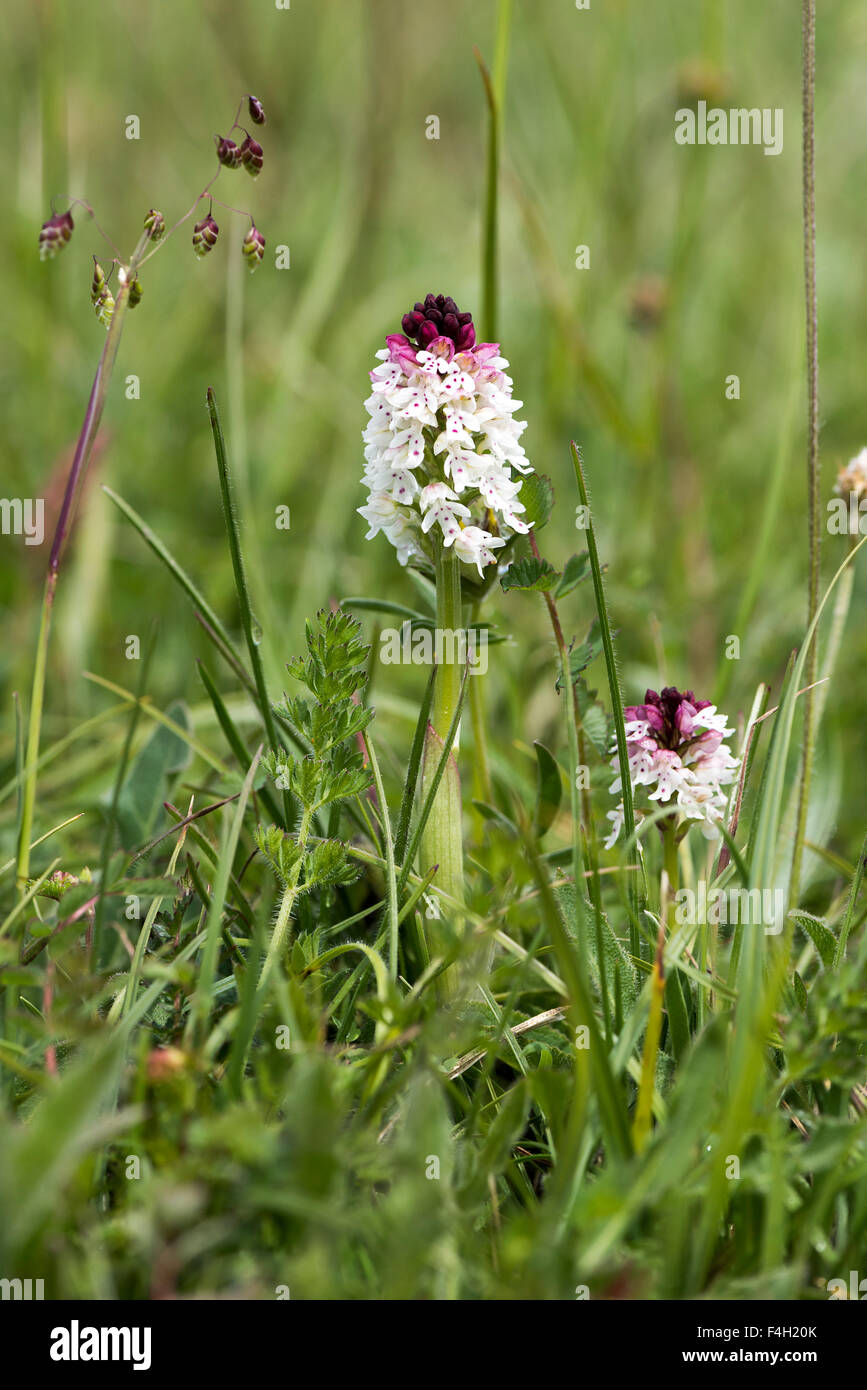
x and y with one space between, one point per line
205 235
105 307
135 288
155 225
98 283
228 153
253 248
54 235
252 157
256 109
101 296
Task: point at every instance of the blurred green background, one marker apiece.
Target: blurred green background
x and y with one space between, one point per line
695 274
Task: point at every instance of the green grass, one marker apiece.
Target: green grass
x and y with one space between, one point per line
253 1076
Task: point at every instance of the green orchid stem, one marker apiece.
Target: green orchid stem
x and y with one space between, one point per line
482 790
668 981
442 841
449 617
670 861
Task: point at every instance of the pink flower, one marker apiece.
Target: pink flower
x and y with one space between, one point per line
675 749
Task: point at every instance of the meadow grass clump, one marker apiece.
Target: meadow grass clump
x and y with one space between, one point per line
480 946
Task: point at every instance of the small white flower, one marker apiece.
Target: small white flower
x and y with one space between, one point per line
440 504
475 546
380 513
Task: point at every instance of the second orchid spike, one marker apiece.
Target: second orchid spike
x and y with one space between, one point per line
54 234
205 235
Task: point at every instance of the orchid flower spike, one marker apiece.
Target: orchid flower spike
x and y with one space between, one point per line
678 757
442 439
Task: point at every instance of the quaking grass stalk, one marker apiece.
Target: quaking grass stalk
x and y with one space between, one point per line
812 316
495 90
77 471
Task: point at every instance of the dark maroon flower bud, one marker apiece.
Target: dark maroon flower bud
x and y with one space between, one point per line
427 333
256 109
439 317
155 224
253 248
205 235
227 152
252 157
667 713
411 322
54 235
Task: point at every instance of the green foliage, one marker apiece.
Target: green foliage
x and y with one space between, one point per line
147 783
549 792
333 672
819 933
537 495
529 573
334 771
575 571
332 1129
585 653
594 720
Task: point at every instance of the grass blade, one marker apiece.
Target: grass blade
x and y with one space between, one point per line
616 702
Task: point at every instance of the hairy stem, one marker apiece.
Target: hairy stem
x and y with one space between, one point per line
287 902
